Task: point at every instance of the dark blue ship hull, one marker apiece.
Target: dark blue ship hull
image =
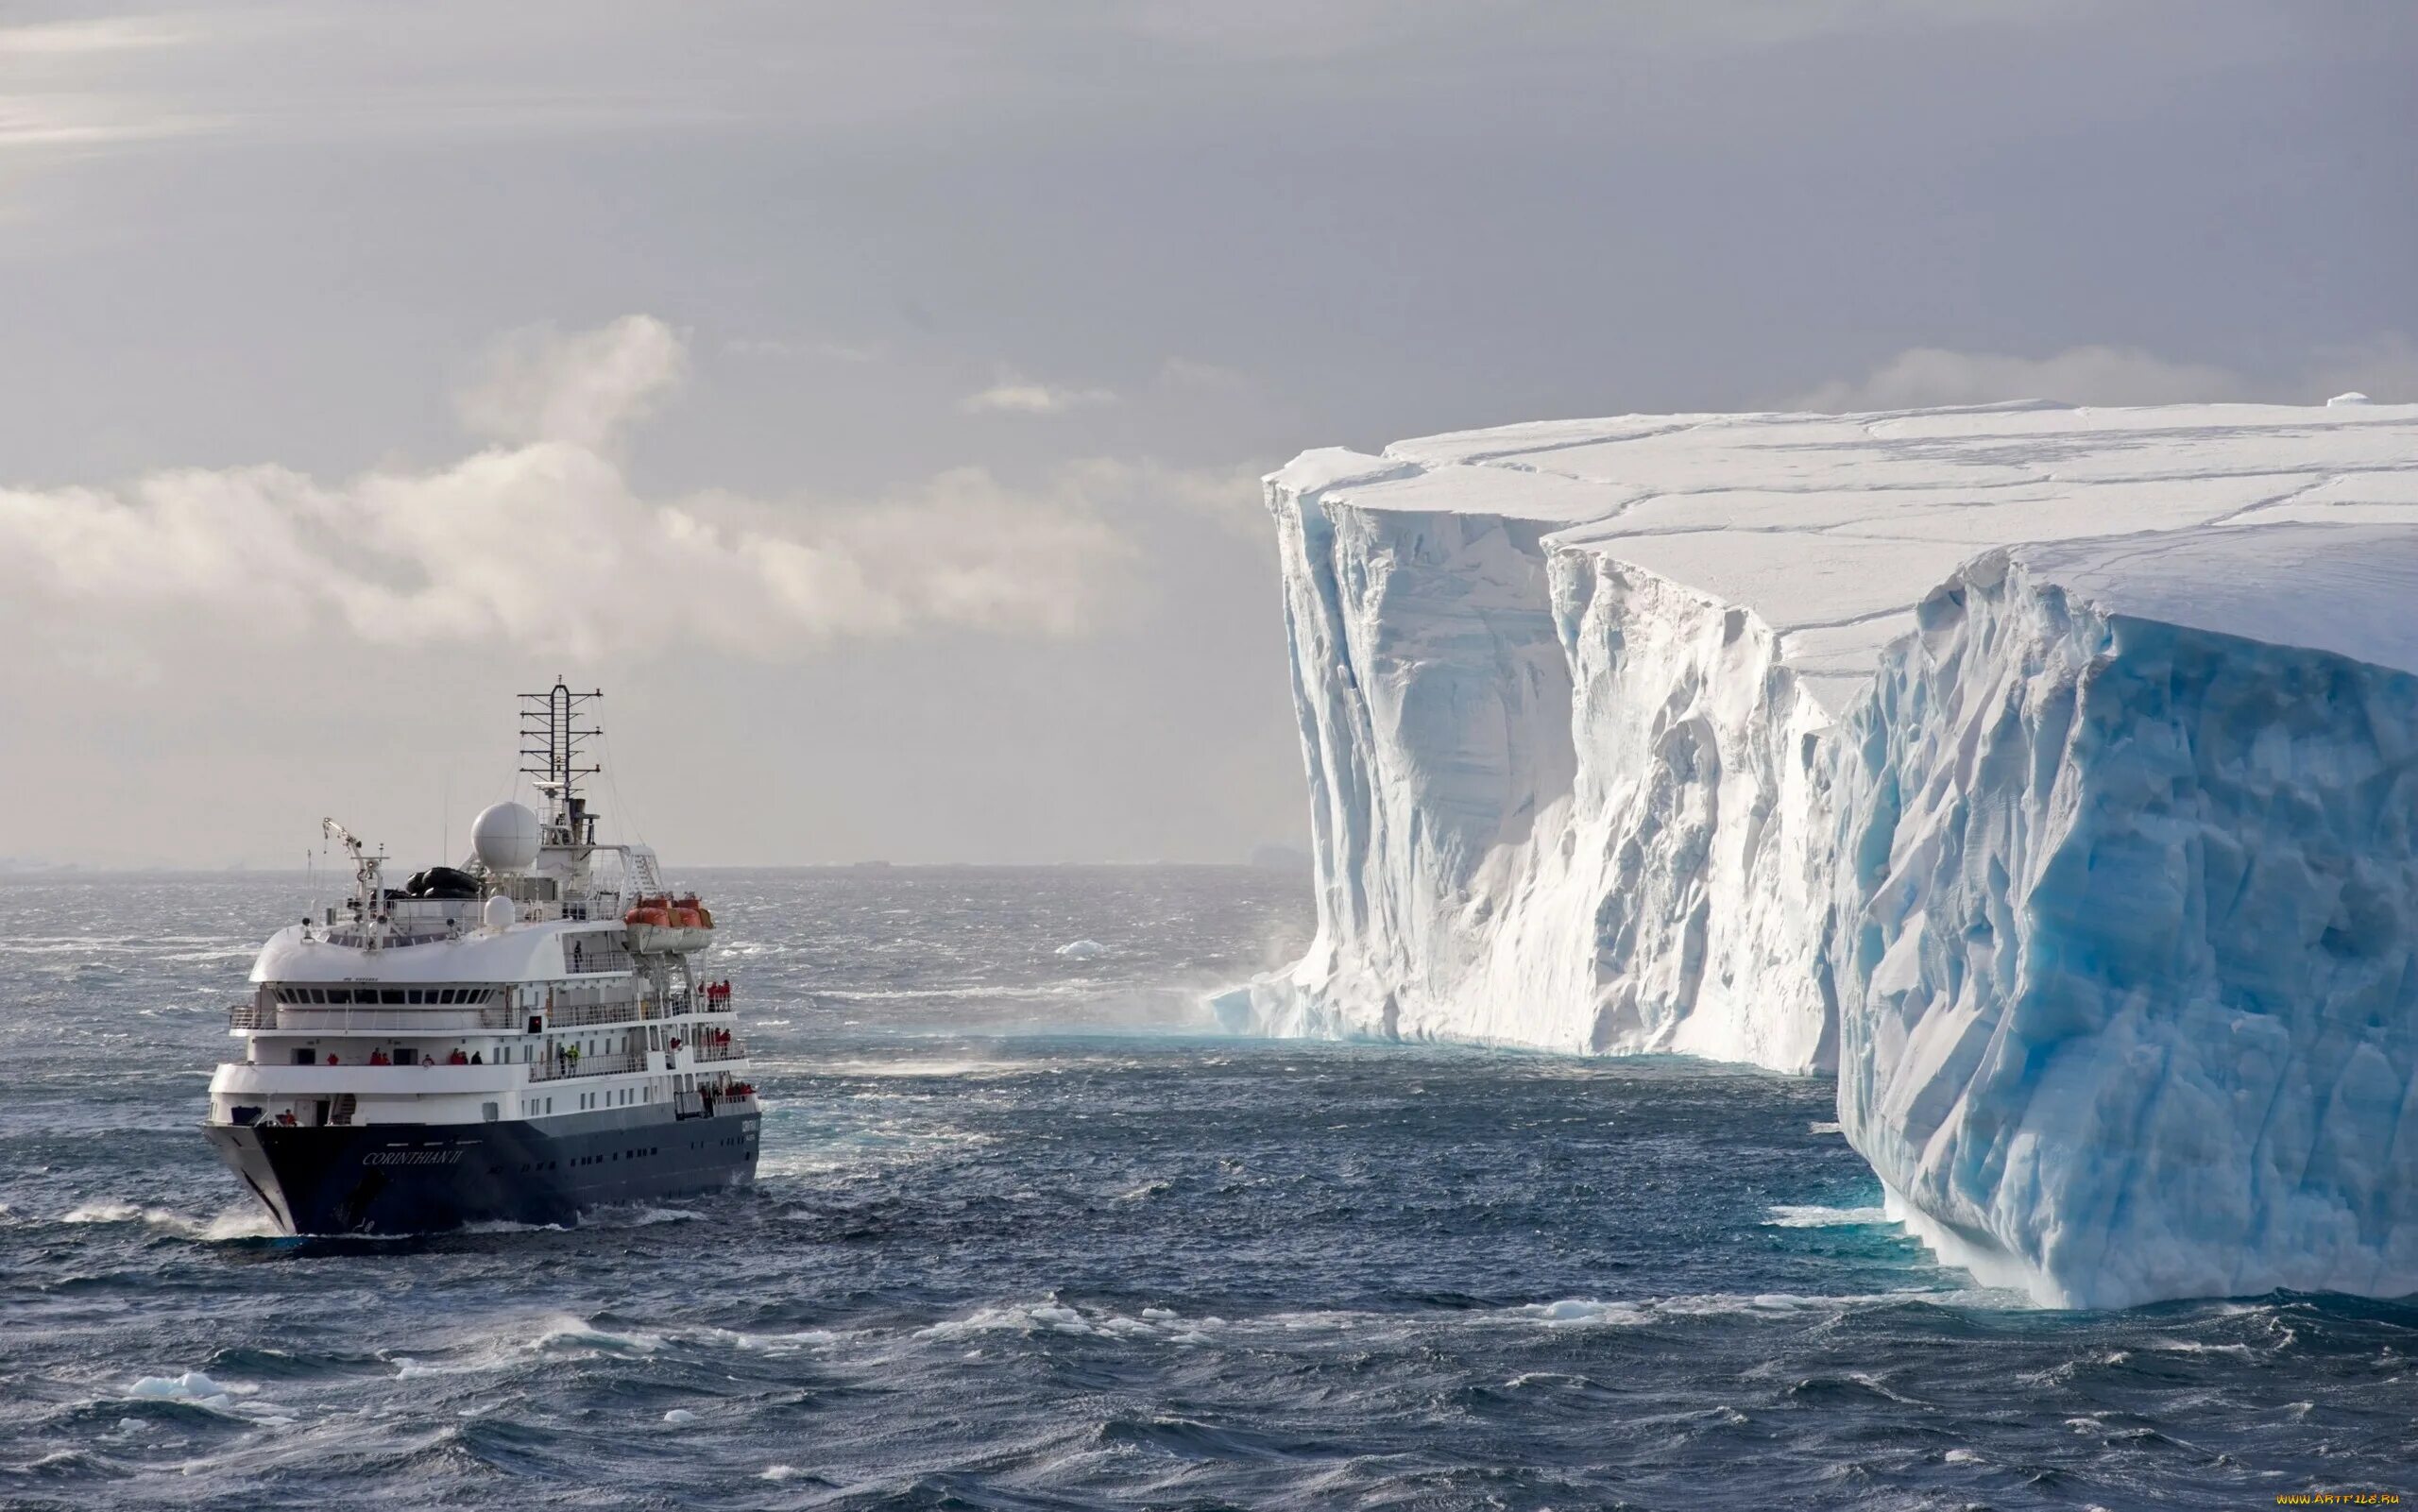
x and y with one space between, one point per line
427 1178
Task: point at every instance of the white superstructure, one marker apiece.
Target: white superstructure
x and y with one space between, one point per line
551 974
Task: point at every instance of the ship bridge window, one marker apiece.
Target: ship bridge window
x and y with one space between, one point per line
390 994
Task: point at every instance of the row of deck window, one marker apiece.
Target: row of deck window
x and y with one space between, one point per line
343 996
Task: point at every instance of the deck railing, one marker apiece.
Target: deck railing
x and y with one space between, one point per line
586 1065
441 1018
319 1018
583 1015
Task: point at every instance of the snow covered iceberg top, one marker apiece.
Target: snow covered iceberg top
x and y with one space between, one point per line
1830 528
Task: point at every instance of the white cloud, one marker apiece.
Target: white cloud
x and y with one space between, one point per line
543 545
585 388
80 84
1923 376
2384 367
77 39
1234 498
1015 395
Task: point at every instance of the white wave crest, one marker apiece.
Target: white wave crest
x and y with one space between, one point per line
1786 1216
235 1223
1588 1312
564 1333
635 1216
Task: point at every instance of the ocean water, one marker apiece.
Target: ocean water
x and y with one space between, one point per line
1029 1234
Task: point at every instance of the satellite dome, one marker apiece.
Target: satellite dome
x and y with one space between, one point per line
500 913
505 837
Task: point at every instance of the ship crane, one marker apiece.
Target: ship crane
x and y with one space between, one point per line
367 871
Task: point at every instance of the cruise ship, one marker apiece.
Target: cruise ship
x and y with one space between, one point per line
516 1039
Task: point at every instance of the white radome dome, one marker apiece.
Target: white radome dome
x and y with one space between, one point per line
500 913
505 837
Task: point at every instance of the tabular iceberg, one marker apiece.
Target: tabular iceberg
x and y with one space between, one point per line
2130 917
2047 772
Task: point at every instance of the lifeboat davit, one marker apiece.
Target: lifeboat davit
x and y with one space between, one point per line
669 925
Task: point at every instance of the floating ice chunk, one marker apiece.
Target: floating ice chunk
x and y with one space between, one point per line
191 1386
1082 950
1574 1312
679 1414
2355 396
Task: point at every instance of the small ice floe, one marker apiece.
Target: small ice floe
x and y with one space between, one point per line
1822 1129
679 1414
1577 1310
191 1386
1082 950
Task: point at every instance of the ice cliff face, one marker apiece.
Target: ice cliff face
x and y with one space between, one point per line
1650 735
2129 916
1506 852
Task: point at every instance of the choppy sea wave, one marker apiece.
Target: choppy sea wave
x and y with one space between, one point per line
1024 1238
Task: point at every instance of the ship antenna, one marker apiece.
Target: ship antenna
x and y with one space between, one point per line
555 728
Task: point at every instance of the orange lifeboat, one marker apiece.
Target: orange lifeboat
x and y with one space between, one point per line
667 926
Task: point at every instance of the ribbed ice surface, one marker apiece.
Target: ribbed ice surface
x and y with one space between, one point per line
2129 929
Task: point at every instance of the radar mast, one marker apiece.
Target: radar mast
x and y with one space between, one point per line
555 728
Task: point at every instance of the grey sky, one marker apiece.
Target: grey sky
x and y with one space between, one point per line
356 362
